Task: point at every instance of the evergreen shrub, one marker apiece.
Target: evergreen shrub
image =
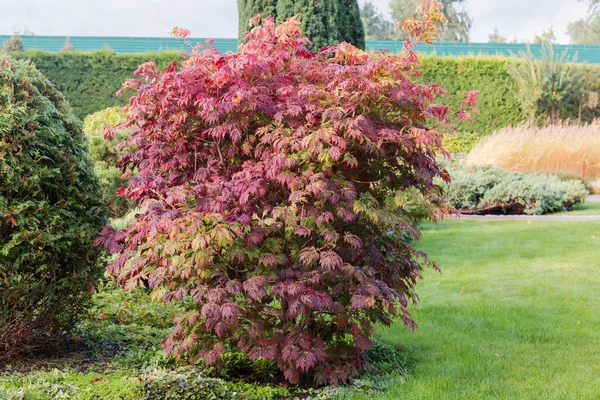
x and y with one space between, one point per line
50 211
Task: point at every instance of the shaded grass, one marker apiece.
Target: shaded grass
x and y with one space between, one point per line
514 315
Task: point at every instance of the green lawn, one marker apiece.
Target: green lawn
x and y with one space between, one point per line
514 314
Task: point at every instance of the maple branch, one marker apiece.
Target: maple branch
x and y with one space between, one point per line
219 151
163 199
367 182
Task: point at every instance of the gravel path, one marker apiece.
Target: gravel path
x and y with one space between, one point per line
591 199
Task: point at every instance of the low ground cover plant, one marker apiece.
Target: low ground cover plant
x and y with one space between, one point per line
50 212
490 190
278 191
567 150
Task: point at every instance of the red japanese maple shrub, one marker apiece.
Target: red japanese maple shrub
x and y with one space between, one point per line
280 191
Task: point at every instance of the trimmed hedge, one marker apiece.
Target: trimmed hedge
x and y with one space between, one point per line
498 103
89 81
489 190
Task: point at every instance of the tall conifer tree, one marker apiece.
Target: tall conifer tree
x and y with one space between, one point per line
325 22
249 8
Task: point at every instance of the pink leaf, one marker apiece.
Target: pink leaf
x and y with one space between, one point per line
309 255
331 260
254 287
179 32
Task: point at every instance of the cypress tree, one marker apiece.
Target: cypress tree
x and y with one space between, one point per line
249 8
354 31
325 22
317 23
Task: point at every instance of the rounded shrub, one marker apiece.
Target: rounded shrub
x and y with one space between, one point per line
490 190
279 191
105 157
50 211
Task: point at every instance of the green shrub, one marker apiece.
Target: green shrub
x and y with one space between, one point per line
551 87
499 100
105 157
50 211
386 359
497 103
492 190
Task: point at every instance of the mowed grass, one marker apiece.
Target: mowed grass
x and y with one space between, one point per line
515 313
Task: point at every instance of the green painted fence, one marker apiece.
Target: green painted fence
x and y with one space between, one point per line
580 52
583 53
117 44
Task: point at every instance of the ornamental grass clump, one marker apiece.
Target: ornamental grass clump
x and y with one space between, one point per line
565 149
279 191
50 212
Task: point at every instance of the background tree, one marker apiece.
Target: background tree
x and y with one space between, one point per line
594 5
15 43
459 23
349 23
249 8
376 26
496 37
585 31
546 37
325 22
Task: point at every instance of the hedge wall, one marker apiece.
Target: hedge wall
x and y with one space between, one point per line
89 80
497 103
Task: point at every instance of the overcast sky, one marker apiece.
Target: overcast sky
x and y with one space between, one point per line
520 19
